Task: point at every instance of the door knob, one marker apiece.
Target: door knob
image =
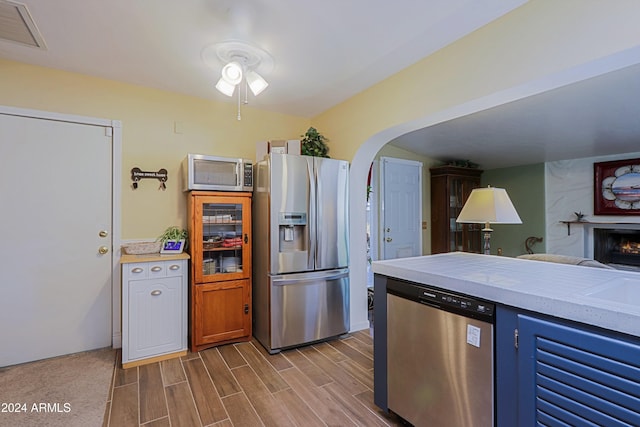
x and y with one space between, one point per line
103 233
103 250
388 239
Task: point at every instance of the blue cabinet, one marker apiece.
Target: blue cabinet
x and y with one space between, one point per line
564 373
549 371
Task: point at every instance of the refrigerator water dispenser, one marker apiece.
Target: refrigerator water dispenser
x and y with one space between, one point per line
293 245
292 231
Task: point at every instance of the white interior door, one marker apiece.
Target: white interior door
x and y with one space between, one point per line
401 208
55 193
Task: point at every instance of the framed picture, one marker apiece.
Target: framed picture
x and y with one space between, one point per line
617 187
172 247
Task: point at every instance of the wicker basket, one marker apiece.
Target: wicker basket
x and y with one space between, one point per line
140 248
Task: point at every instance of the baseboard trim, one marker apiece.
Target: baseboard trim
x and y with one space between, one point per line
116 340
359 326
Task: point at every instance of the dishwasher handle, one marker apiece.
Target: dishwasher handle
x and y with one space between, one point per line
429 303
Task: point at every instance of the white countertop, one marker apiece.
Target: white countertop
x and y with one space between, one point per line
559 290
126 259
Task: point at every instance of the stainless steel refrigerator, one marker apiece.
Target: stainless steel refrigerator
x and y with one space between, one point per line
300 250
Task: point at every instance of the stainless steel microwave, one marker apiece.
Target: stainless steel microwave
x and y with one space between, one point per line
204 172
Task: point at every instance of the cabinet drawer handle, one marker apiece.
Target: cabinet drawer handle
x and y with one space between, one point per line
174 267
154 269
137 270
156 293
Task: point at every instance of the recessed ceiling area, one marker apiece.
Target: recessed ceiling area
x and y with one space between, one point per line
595 117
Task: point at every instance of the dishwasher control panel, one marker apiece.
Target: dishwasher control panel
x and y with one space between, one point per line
455 301
442 299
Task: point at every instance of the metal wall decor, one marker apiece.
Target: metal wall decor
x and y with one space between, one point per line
137 175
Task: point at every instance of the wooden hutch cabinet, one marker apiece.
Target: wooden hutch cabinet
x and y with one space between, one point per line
220 288
450 188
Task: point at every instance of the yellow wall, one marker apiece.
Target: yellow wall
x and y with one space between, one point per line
540 38
539 46
538 41
149 140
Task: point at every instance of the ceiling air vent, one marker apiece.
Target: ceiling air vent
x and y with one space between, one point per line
16 25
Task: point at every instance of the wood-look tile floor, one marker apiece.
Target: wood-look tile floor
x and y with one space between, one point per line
325 384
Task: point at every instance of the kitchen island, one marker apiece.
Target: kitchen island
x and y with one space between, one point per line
536 302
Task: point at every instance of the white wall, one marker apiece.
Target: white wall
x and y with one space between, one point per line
569 188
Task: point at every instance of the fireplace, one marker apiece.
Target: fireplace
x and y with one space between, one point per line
617 246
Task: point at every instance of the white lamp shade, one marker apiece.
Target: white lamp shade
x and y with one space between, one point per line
256 83
489 205
232 73
224 87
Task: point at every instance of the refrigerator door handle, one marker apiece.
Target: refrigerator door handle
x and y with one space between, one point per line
319 262
289 279
312 222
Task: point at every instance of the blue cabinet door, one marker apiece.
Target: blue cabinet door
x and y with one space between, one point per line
570 376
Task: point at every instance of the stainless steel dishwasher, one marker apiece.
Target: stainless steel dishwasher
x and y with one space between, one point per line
439 356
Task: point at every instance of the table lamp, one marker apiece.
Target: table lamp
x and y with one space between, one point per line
488 206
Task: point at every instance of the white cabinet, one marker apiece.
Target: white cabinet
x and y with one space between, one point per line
154 307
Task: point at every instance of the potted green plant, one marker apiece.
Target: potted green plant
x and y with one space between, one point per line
174 240
314 143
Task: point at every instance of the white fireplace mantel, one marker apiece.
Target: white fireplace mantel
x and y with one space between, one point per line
590 225
569 188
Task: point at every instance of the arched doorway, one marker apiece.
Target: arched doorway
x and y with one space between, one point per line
368 149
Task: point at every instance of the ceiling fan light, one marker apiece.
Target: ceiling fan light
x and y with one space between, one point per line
232 73
256 83
224 87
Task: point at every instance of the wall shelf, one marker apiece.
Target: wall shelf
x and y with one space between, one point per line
591 223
